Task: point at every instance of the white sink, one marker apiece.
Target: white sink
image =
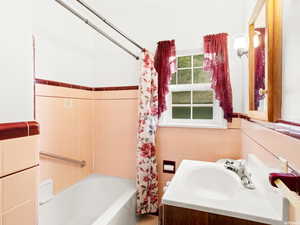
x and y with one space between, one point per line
211 182
210 187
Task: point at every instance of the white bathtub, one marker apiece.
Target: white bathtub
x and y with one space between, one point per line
96 200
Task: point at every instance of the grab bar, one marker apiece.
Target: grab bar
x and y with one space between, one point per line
62 158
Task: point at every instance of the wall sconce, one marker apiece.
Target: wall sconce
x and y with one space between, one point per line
241 45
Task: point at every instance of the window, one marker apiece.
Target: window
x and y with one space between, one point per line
191 101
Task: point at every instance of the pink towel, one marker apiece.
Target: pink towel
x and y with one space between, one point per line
292 181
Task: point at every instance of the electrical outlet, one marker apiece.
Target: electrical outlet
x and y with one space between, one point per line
169 166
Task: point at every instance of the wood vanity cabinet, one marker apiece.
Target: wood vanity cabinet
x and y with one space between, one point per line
171 215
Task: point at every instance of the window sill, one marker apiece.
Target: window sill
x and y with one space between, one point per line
186 125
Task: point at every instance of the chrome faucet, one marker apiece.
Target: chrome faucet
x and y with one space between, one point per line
240 169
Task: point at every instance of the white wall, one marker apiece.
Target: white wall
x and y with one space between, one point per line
151 21
64 44
291 50
68 50
16 61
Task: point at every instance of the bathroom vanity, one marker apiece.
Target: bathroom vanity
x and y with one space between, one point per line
207 193
182 216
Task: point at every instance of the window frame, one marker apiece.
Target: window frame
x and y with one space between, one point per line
166 119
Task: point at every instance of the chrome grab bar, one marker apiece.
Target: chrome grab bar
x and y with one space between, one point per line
62 158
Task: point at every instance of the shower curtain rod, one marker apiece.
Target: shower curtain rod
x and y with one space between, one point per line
85 5
96 28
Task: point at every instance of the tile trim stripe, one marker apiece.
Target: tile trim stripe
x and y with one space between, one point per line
241 116
61 84
19 129
19 171
74 86
121 88
273 126
288 123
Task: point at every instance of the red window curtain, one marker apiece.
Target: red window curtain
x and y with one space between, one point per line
259 66
165 65
216 63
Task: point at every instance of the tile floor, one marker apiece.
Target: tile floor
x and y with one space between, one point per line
148 220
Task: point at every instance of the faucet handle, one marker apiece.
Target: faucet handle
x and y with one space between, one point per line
242 164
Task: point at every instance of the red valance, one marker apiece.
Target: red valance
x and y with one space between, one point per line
165 65
216 63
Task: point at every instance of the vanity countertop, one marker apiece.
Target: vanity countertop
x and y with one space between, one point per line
209 187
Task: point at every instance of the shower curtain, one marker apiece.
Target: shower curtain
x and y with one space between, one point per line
147 179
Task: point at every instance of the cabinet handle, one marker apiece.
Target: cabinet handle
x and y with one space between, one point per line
263 91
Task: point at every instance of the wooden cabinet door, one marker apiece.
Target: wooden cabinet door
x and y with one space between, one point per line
172 215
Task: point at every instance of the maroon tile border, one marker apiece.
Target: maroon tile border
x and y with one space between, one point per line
274 126
288 123
33 127
121 88
20 129
74 86
62 84
240 115
284 130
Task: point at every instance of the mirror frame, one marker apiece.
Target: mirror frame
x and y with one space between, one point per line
274 63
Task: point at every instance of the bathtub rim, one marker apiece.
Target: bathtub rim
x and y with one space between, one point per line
113 209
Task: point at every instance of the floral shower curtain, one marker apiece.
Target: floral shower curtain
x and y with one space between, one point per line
147 179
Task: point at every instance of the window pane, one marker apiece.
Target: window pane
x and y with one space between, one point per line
204 113
184 76
184 61
202 97
173 80
182 97
198 60
181 112
201 77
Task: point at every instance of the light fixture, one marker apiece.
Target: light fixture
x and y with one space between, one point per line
241 45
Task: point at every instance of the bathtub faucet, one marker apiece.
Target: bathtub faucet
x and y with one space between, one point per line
240 169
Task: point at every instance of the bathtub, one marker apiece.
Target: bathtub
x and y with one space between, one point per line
96 200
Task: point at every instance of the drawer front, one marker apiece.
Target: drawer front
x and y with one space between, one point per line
18 154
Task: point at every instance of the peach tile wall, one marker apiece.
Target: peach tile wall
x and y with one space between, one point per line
66 126
100 127
266 144
115 133
18 191
177 144
18 204
116 130
18 154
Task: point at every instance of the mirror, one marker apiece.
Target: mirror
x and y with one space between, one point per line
260 58
265 61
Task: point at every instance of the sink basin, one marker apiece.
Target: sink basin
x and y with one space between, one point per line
212 182
210 187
